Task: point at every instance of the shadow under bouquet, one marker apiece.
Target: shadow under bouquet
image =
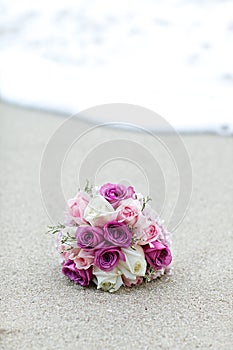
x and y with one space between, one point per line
112 237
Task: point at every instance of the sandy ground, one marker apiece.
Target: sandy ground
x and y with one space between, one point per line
40 309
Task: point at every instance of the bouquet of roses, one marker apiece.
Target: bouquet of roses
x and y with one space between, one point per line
112 237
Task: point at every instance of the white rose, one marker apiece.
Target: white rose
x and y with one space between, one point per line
108 281
135 264
99 211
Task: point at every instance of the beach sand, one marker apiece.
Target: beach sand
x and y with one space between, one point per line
40 309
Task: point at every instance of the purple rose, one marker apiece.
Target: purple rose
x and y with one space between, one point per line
118 234
115 193
108 258
82 277
88 237
158 256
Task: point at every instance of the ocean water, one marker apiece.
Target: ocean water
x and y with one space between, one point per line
172 56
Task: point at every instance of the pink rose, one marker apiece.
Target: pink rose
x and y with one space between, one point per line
64 249
129 211
130 282
76 207
148 234
66 254
83 259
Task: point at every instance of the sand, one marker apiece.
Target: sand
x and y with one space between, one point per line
40 309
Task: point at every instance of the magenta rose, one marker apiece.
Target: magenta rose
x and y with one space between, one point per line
108 258
157 255
82 277
118 234
89 237
115 193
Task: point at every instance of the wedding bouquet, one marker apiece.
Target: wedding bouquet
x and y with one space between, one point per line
112 237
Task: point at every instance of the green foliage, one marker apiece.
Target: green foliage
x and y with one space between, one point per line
88 188
55 229
145 201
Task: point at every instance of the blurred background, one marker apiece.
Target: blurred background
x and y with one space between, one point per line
172 56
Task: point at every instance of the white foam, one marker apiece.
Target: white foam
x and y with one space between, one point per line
174 57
